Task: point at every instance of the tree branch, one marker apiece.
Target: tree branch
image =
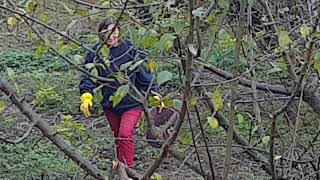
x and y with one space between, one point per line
43 126
21 139
95 6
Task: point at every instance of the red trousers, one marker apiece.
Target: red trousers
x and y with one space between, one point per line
123 127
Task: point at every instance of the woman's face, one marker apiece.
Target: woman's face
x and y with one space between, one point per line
113 40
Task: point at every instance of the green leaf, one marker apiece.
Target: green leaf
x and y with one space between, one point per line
78 59
11 74
317 61
177 103
135 65
31 6
40 49
149 41
213 122
152 65
81 12
305 31
240 118
94 71
179 25
163 77
142 31
121 92
2 106
44 17
224 4
66 117
185 138
64 49
223 34
193 101
156 176
125 65
99 95
317 57
217 99
74 46
105 51
284 39
165 42
12 77
12 21
265 140
89 66
280 64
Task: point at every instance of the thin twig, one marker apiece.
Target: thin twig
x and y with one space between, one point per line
136 6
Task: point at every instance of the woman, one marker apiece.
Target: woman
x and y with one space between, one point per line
124 116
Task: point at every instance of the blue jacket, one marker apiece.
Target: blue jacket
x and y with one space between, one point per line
119 55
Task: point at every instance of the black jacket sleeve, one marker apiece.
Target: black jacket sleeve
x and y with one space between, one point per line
86 83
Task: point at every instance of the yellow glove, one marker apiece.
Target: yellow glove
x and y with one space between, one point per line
86 104
161 103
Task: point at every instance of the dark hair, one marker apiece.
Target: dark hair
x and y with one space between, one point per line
105 22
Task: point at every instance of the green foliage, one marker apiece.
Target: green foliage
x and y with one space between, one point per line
317 61
47 79
121 92
185 138
217 99
222 55
28 62
163 77
284 39
305 31
46 98
26 160
74 133
213 122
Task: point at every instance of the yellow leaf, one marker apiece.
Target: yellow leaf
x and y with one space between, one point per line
213 122
193 101
44 17
305 30
2 106
31 6
156 176
152 65
265 140
12 21
217 99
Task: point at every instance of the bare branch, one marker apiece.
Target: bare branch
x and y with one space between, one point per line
95 6
43 126
22 138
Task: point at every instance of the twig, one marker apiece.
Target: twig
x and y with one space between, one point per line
95 6
253 74
233 87
191 166
43 126
193 140
205 143
22 138
186 98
